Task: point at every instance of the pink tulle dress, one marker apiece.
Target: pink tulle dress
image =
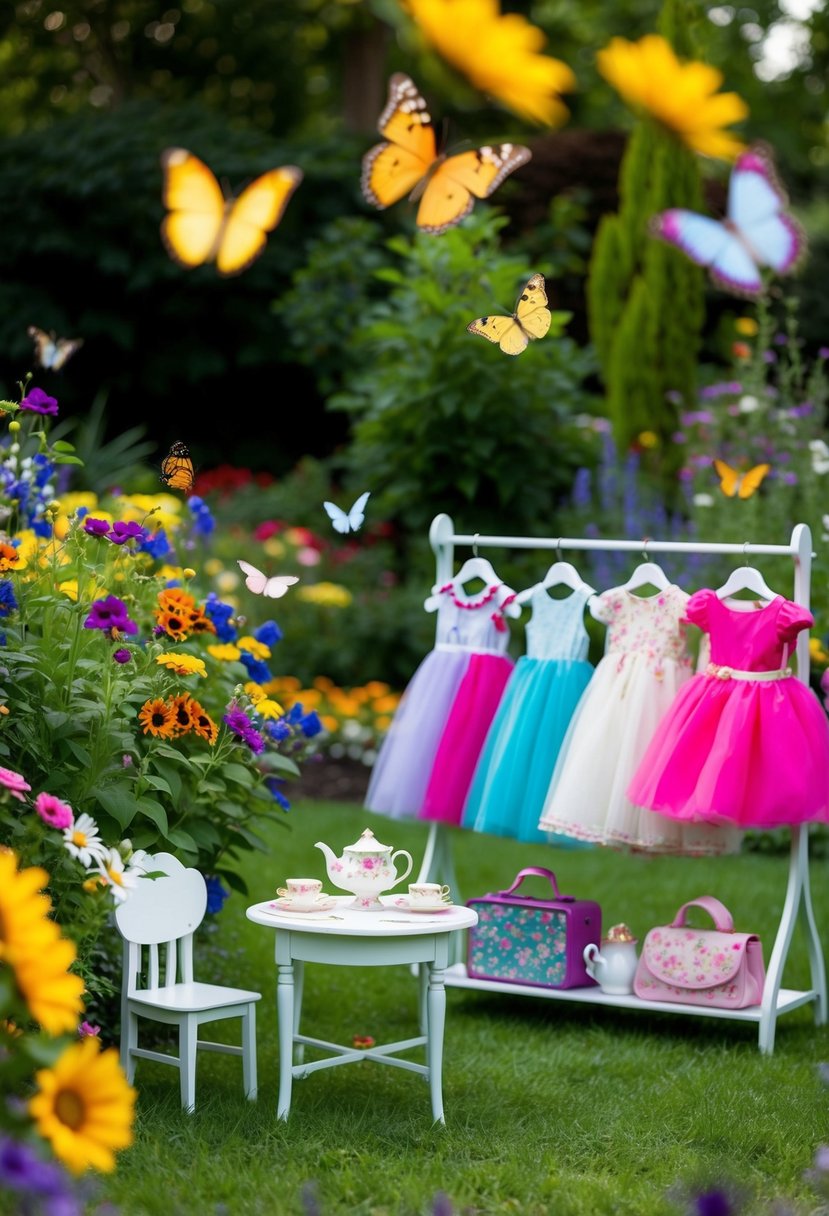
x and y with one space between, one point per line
449 702
745 742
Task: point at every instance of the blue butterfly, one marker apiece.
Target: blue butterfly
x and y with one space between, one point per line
756 232
350 522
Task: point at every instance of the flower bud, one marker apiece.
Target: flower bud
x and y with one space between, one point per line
14 426
188 572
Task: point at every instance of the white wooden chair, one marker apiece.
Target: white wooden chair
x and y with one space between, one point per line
166 912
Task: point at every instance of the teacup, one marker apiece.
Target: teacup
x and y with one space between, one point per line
302 892
428 894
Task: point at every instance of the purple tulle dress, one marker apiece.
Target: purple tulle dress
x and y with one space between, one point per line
468 657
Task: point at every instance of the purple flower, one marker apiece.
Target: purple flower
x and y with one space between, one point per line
95 527
110 614
823 352
123 655
87 1031
713 1203
22 1170
39 402
122 532
237 720
723 389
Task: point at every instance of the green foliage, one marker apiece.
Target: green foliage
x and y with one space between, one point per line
443 420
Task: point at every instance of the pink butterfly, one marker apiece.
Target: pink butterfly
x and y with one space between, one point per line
757 230
260 584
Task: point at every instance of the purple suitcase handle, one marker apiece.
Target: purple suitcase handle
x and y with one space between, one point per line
541 873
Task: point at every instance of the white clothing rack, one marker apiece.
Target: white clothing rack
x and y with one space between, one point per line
437 861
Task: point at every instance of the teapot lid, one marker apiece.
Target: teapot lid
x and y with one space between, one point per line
368 844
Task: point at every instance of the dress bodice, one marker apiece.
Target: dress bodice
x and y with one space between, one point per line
473 622
556 628
751 638
651 626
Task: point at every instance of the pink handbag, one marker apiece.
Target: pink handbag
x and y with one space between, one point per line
714 967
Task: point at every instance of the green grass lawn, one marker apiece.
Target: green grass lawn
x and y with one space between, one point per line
551 1108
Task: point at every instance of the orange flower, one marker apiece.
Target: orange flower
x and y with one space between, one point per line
172 599
158 718
203 724
173 625
183 713
9 557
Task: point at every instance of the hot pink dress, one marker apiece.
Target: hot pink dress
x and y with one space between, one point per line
752 752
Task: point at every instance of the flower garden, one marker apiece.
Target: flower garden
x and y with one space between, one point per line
203 652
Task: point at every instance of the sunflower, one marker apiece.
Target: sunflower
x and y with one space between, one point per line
681 96
499 53
84 1106
182 708
203 724
158 718
199 623
32 946
173 599
172 624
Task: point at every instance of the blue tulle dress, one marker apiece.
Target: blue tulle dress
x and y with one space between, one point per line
512 776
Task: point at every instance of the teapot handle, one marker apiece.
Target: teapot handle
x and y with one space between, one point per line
408 870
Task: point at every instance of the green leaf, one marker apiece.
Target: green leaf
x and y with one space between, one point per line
80 753
182 839
234 881
238 773
116 801
155 812
157 783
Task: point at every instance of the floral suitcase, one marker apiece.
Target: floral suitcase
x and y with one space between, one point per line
523 940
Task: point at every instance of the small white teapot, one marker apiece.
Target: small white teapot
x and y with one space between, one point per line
366 868
614 966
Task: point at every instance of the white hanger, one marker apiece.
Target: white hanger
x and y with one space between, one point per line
746 578
561 573
474 567
646 572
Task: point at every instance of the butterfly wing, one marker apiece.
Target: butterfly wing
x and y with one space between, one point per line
452 189
750 481
531 311
504 330
177 471
196 208
338 517
52 352
251 216
756 205
729 478
393 168
276 587
357 513
255 580
709 243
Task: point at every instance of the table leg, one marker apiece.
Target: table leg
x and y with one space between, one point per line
435 1021
299 981
422 989
285 1018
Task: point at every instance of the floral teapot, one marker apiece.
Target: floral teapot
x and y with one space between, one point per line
366 868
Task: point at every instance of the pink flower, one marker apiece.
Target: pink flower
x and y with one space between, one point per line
87 1031
306 556
368 863
53 812
14 783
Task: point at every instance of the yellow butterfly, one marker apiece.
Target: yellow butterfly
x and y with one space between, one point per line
204 226
531 319
407 162
742 484
51 351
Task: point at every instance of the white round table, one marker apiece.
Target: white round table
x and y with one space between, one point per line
348 937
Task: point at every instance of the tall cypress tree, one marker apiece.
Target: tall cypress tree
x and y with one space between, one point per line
645 298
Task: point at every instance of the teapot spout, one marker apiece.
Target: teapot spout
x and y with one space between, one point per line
329 856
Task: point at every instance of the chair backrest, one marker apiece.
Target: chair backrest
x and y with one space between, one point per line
161 911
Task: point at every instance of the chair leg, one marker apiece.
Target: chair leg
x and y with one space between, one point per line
188 1035
249 1051
129 1041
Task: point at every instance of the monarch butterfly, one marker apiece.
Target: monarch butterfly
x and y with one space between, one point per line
742 484
408 162
531 319
201 225
177 471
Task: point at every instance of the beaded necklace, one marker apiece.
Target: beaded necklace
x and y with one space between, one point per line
497 616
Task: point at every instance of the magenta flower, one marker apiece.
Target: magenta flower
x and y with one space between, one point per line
87 1031
53 812
237 720
110 614
14 783
122 532
39 402
95 527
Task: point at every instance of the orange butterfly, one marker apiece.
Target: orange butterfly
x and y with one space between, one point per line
742 484
409 163
203 226
177 471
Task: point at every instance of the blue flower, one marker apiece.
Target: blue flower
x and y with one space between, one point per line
220 614
203 521
295 714
7 601
257 670
269 633
42 527
216 893
310 724
279 798
278 730
82 512
157 545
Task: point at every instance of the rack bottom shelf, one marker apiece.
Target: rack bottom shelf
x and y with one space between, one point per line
787 998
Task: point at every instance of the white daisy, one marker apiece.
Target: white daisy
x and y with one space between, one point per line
81 839
120 881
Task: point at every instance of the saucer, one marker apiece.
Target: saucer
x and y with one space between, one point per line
285 904
405 904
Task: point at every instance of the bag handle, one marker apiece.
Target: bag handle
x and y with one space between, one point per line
718 912
541 873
